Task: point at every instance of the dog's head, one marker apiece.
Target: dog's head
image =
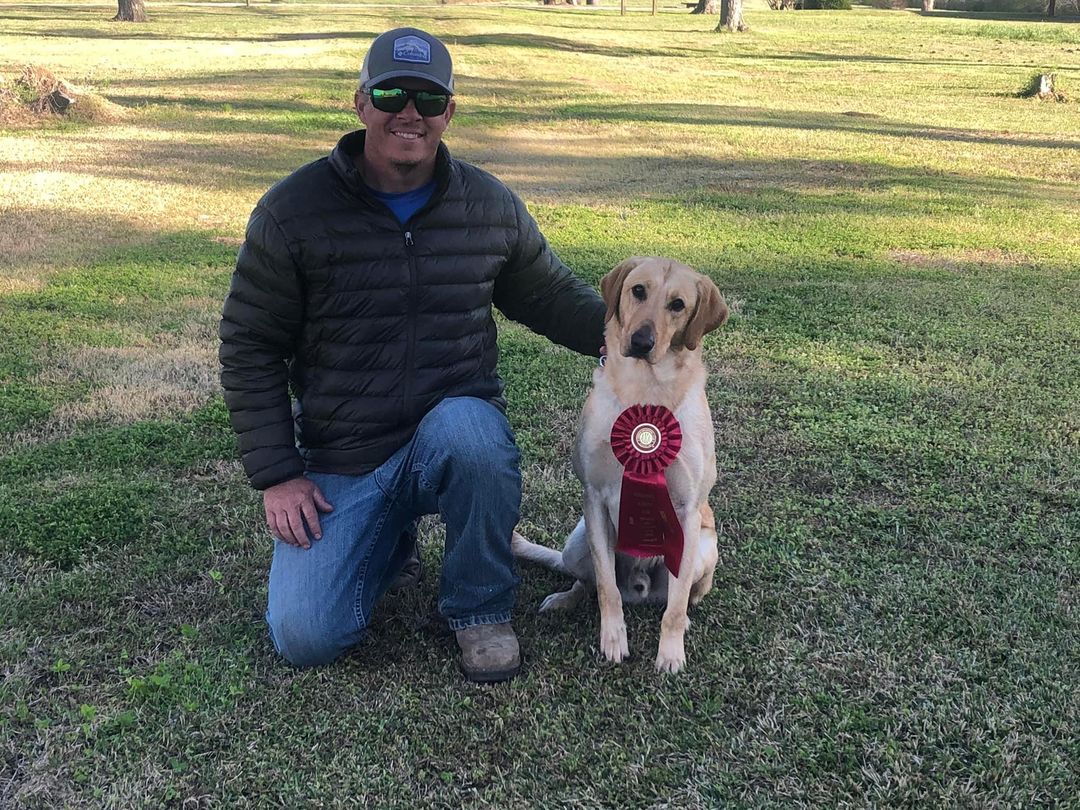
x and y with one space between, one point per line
660 305
636 576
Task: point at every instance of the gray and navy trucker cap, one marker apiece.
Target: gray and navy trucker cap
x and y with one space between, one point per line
407 52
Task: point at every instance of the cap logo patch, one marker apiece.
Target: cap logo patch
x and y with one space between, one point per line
412 49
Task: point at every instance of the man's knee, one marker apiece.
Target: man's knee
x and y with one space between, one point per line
305 640
474 435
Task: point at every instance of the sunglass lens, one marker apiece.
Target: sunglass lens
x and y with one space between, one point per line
431 104
392 100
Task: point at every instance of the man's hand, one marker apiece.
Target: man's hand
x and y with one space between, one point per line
289 505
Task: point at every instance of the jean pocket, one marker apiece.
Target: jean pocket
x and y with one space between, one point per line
387 476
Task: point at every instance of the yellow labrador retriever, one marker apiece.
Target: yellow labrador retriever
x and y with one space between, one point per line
657 312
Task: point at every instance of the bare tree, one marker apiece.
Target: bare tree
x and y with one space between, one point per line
731 16
706 7
1051 8
928 5
130 11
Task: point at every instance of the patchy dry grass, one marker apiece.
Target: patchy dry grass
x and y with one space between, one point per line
133 383
895 400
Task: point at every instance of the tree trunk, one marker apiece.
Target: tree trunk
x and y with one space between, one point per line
731 16
927 5
1051 8
130 11
706 7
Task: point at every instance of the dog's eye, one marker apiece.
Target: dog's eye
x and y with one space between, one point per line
639 291
677 305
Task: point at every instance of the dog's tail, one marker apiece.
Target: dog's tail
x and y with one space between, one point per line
532 552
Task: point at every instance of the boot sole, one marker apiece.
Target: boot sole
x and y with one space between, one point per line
487 676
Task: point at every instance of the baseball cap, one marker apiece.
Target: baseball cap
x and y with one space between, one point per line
407 52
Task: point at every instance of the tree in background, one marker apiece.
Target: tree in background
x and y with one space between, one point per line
706 7
928 5
731 16
130 11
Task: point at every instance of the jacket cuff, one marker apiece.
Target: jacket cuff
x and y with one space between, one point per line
277 473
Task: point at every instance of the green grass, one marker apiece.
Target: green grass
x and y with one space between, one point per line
895 619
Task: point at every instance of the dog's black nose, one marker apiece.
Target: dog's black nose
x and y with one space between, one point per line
640 587
642 342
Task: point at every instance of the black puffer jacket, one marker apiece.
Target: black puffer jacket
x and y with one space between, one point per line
373 323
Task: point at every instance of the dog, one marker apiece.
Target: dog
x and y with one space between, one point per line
658 310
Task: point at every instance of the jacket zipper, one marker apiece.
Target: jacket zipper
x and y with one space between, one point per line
410 344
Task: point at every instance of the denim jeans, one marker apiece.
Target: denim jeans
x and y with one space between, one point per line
461 464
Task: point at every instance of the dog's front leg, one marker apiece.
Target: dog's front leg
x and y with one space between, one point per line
601 536
671 657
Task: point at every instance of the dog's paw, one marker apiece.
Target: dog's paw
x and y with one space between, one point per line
671 657
613 643
564 600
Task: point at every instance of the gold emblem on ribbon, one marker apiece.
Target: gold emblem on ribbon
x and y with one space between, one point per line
645 438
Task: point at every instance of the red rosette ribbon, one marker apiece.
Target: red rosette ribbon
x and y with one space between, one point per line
645 439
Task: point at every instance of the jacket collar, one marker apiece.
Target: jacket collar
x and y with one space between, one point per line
343 162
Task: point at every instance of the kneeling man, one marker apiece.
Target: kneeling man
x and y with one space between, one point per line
358 355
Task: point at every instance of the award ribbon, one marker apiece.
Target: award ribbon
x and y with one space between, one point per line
645 439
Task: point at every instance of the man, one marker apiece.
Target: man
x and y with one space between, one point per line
365 283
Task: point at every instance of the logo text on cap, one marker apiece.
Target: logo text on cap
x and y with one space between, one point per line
412 49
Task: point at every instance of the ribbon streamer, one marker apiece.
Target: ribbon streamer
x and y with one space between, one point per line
646 439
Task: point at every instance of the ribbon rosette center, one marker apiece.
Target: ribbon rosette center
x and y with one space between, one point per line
646 439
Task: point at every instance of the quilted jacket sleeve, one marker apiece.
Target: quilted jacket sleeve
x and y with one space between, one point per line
538 290
260 325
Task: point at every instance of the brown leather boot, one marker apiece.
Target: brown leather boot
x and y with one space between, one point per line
489 652
413 570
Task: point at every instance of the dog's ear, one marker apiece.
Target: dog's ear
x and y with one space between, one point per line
611 285
709 313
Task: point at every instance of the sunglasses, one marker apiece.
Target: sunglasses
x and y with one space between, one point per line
394 99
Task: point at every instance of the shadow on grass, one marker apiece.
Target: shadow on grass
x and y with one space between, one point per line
498 40
507 40
198 163
271 78
814 56
537 170
996 16
702 115
729 115
142 33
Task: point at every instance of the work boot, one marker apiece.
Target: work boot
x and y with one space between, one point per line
413 570
489 652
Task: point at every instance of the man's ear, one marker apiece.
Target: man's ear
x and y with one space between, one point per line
611 285
709 313
358 101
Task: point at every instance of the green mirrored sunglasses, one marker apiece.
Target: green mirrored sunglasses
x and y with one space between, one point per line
394 99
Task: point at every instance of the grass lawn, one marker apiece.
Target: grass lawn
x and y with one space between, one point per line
896 397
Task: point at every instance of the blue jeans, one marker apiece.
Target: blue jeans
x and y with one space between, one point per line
462 464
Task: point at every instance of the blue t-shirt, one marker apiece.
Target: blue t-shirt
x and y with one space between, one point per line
406 204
